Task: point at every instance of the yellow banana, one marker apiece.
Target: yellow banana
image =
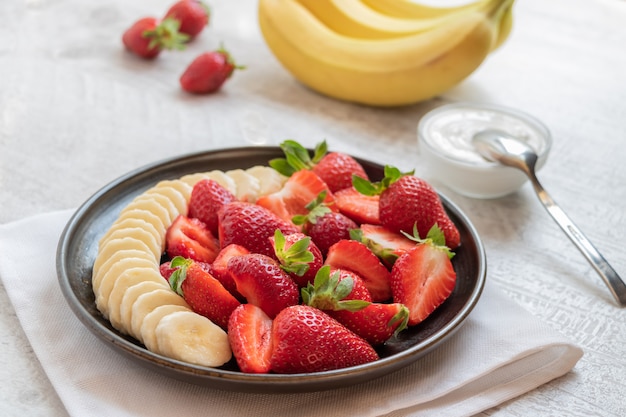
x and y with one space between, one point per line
410 10
506 25
355 19
383 72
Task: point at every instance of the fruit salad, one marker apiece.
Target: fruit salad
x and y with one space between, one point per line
304 265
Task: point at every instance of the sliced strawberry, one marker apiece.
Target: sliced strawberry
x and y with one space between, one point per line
359 207
219 267
306 339
190 238
386 244
423 278
204 294
250 226
376 323
261 280
358 258
299 190
250 337
207 198
298 256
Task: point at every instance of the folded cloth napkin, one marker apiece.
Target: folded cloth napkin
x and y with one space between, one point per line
492 358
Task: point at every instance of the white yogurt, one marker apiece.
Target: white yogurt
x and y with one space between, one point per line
445 144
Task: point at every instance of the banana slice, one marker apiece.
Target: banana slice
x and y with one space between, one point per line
180 186
99 272
125 291
270 180
112 247
150 322
131 223
159 205
139 233
133 273
224 180
147 302
247 185
193 179
190 337
175 196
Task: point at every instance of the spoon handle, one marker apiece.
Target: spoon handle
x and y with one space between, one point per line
610 277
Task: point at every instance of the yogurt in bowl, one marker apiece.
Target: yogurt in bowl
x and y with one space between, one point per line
446 149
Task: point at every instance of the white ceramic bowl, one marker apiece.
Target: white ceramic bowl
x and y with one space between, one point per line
446 150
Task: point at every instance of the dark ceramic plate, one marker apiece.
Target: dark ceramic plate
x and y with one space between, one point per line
78 247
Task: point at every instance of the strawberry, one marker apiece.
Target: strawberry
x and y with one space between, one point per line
193 16
406 200
387 245
148 36
300 189
167 270
261 280
359 207
250 226
190 238
219 267
250 337
324 226
335 169
423 277
204 294
207 197
298 256
358 258
305 339
208 72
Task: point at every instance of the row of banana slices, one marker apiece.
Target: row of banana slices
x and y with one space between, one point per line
129 289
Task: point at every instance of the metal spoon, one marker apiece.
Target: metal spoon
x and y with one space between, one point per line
498 146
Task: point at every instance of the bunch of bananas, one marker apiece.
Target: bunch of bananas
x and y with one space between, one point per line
382 52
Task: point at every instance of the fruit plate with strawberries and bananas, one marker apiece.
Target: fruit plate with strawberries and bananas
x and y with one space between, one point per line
271 269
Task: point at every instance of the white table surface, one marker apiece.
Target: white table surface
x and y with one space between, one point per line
76 112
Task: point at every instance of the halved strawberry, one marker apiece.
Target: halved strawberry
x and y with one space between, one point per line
191 238
250 337
300 189
167 270
386 244
423 277
298 256
262 281
358 258
250 226
219 267
359 207
204 294
207 198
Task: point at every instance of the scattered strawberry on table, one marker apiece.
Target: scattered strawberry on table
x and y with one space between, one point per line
208 72
302 285
193 16
148 36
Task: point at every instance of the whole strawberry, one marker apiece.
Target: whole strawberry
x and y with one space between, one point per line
407 201
305 339
298 255
193 16
148 36
207 198
208 72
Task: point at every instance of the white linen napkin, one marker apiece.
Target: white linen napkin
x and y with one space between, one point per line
492 358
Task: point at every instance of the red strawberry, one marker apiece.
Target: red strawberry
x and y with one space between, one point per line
335 169
148 36
167 270
207 197
358 258
250 337
359 207
193 16
208 72
376 323
250 226
219 267
190 238
204 294
424 277
298 256
301 189
406 200
387 245
261 280
308 340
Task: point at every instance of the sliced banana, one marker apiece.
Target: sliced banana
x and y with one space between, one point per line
180 186
114 258
270 180
139 233
132 223
176 197
111 248
134 273
150 322
193 179
190 337
224 180
161 206
147 302
247 185
125 291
